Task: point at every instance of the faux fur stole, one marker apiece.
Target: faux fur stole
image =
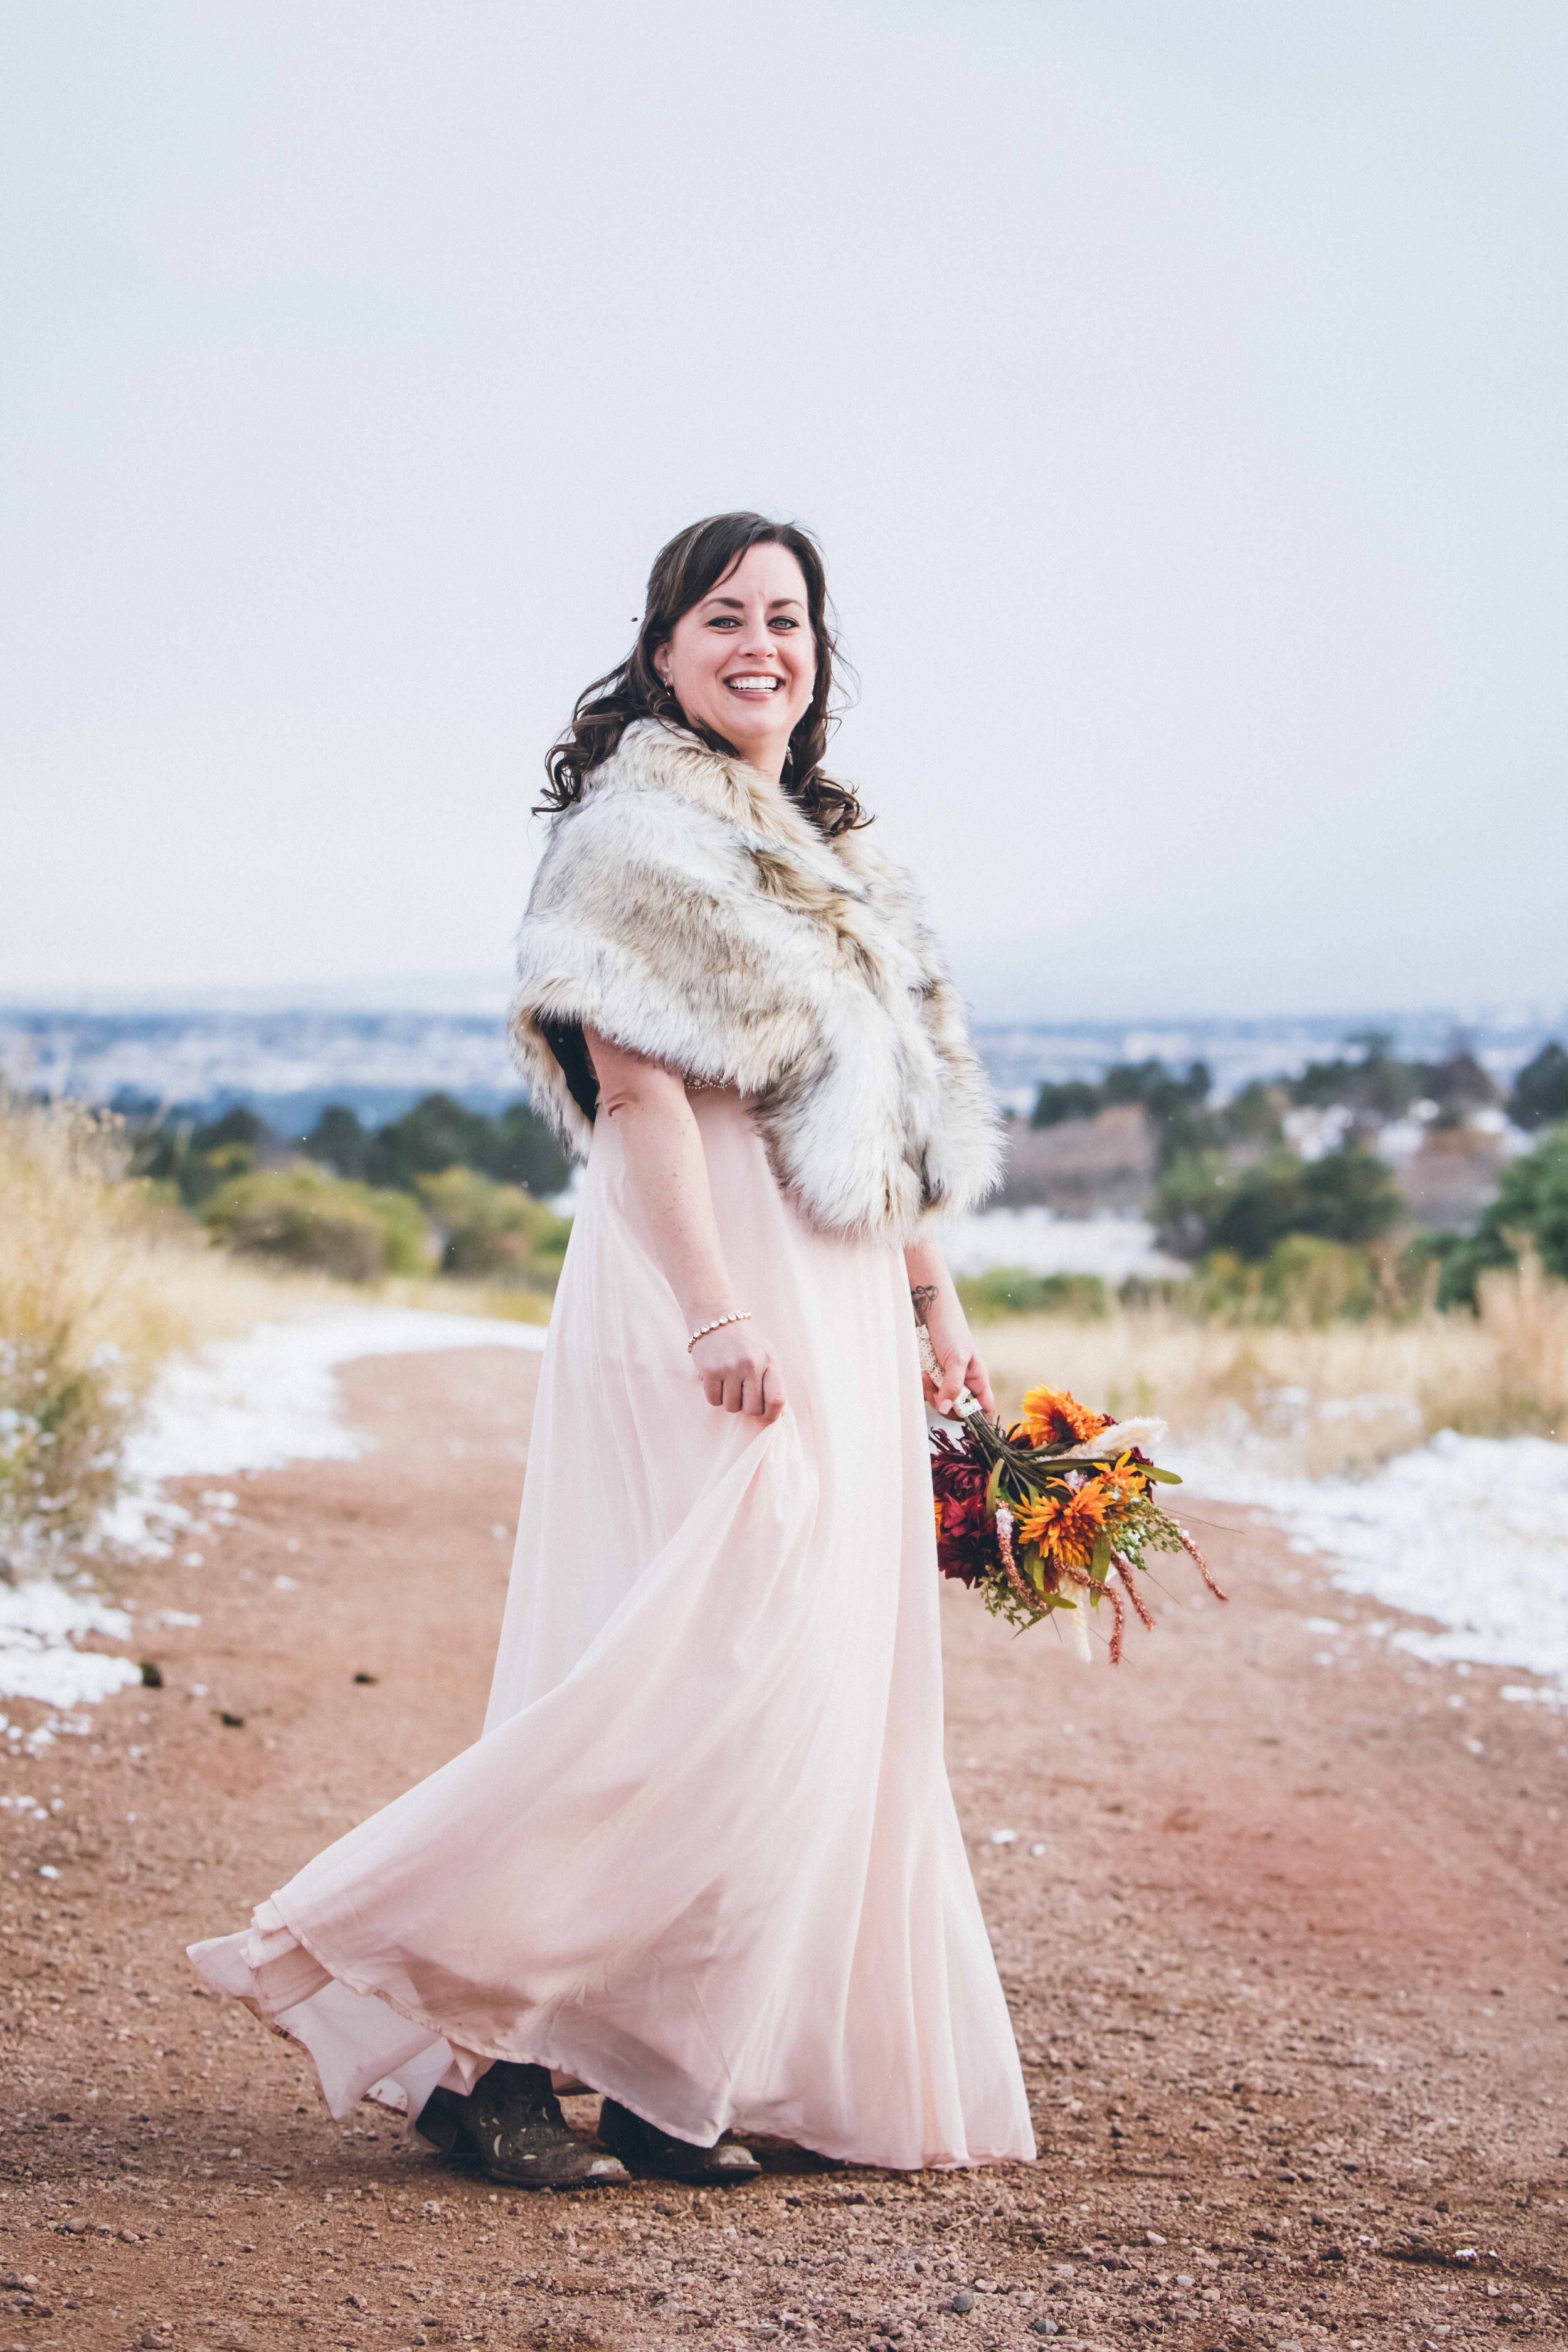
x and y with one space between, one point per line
686 909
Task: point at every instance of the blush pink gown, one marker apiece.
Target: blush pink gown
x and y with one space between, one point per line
704 1854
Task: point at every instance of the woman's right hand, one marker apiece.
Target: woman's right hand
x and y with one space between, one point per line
736 1367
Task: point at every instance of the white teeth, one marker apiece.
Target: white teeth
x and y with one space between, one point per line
754 685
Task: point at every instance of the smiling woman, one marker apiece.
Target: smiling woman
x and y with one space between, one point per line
743 663
737 618
704 1856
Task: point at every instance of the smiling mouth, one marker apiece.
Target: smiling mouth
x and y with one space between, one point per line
755 685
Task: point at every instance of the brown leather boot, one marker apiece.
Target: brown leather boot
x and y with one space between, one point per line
514 2120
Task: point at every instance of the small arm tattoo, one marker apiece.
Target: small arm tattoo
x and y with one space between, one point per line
923 1299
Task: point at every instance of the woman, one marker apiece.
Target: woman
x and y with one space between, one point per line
703 1857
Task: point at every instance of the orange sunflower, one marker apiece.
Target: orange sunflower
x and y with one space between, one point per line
1066 1527
1052 1417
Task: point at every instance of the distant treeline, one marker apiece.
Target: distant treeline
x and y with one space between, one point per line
197 1156
1378 1085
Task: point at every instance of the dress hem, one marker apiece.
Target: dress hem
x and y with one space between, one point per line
562 2060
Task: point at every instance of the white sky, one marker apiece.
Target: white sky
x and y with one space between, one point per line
1178 388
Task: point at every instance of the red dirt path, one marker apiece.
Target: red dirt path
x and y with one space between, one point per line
1290 1978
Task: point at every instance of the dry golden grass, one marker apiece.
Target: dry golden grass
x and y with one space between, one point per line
1339 1397
98 1285
450 1294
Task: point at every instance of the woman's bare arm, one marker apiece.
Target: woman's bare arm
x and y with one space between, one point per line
936 1305
665 1165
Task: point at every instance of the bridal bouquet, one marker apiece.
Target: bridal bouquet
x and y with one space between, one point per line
1055 1515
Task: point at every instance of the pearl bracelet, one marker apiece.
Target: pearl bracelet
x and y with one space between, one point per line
717 1325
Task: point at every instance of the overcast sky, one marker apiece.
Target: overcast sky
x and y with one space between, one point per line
1178 388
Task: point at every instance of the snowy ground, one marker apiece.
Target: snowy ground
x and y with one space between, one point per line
248 1404
1037 1241
1469 1533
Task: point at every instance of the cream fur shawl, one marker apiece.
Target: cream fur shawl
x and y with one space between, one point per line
687 910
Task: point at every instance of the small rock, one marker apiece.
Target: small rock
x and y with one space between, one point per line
75 2228
357 2300
963 2301
1044 2326
1152 2238
151 1675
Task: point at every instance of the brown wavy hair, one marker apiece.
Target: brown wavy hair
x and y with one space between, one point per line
690 568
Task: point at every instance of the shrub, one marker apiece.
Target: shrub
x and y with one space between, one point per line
1203 1203
1055 1103
1256 1114
1174 1105
1304 1279
1380 1084
1192 1195
301 1217
1530 1208
527 1153
338 1141
1540 1096
197 1161
1009 1290
493 1229
439 1133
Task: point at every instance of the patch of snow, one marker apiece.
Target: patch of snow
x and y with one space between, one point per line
40 1622
271 1398
248 1404
1471 1533
1037 1240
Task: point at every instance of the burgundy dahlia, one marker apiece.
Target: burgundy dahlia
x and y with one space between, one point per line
965 1534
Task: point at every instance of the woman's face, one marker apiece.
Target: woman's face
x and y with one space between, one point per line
742 661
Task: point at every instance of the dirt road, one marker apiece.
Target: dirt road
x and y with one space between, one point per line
1282 1923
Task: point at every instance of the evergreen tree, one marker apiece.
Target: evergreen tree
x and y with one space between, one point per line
1540 1096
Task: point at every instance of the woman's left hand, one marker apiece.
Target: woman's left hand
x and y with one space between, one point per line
947 1328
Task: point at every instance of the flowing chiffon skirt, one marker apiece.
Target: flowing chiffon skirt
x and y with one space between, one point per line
704 1854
